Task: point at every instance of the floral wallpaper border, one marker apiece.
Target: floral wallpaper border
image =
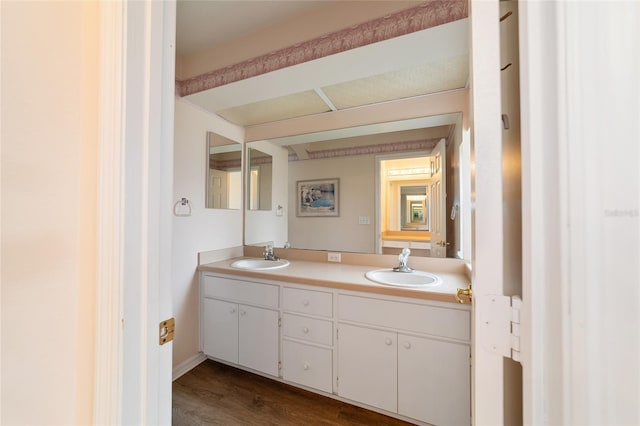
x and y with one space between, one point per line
423 16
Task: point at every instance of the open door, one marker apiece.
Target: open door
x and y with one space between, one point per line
438 199
133 360
495 209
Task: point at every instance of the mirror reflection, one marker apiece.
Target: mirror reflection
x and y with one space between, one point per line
396 189
224 173
259 180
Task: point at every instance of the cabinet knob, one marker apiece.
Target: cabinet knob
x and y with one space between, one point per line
305 302
305 330
243 312
388 341
306 366
232 310
407 345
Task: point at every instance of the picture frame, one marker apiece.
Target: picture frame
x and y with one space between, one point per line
318 198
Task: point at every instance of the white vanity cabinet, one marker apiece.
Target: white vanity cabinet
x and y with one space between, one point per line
240 322
307 337
408 358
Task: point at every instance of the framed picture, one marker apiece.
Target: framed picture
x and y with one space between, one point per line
318 198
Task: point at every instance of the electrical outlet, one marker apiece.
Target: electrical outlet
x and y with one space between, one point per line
334 257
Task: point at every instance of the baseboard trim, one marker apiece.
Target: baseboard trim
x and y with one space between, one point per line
187 365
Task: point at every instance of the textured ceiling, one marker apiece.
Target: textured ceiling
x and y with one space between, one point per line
432 62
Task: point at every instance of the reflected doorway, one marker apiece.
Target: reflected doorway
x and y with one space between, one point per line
411 203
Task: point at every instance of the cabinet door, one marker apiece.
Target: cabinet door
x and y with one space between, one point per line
220 330
434 381
258 339
367 366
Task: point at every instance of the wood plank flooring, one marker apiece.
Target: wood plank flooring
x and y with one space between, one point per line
216 394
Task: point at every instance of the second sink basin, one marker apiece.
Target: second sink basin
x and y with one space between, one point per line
259 264
403 279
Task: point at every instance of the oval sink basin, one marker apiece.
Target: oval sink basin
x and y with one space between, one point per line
259 264
403 279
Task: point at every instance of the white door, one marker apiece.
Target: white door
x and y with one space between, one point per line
490 259
438 200
137 57
217 189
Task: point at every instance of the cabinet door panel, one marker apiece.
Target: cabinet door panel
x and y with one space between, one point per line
220 330
258 339
367 366
434 381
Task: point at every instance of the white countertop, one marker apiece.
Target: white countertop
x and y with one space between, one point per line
344 276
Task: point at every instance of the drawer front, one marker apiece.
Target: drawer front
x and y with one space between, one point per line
309 329
240 291
308 301
433 320
307 365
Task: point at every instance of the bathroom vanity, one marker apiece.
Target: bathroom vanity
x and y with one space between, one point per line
325 328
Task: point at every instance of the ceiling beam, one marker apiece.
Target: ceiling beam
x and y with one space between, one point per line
404 114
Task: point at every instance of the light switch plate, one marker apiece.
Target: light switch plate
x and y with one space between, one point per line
364 220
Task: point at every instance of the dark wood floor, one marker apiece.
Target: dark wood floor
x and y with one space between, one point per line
216 394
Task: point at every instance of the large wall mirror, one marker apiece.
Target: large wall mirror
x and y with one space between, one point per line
224 173
400 188
259 179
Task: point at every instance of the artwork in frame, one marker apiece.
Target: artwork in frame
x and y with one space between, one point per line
318 198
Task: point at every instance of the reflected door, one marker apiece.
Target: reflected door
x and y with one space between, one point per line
438 200
217 189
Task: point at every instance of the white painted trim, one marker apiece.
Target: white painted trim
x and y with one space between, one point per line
487 216
108 363
188 365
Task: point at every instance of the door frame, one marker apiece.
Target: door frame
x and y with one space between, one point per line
137 74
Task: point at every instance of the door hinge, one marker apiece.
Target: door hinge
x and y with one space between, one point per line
516 306
500 324
166 330
279 322
337 333
279 365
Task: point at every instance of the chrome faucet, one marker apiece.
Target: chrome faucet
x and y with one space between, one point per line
403 257
268 253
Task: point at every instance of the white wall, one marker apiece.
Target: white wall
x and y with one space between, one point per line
205 229
357 198
49 164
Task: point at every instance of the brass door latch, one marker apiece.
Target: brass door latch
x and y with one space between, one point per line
166 330
467 293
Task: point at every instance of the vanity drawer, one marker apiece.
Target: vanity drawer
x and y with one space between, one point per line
437 321
307 365
307 301
309 329
240 291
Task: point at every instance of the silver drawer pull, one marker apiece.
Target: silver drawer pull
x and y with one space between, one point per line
306 366
388 342
305 330
305 303
232 310
407 345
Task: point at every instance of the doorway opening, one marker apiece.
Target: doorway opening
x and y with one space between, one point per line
411 202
